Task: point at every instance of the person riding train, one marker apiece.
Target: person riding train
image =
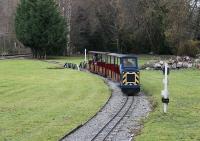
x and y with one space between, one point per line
128 62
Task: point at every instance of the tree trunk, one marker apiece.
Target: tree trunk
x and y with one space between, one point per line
45 54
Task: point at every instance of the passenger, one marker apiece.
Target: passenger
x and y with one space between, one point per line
128 63
94 57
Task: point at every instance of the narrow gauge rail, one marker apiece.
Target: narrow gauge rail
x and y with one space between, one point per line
15 56
111 125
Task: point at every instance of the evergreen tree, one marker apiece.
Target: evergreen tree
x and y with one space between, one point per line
40 26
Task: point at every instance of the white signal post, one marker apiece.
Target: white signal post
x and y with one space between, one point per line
85 55
165 92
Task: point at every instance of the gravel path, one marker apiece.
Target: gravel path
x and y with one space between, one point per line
127 127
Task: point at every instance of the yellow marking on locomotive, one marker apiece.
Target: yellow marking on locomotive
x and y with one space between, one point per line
125 81
124 78
136 80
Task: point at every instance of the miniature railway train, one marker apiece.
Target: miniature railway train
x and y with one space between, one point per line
122 68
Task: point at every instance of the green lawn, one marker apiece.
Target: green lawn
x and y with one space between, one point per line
182 122
39 104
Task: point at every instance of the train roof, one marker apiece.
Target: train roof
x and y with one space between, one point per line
113 54
121 55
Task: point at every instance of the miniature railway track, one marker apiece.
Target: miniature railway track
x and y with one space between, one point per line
15 56
109 124
105 132
111 127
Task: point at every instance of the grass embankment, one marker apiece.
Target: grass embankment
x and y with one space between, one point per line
39 104
182 122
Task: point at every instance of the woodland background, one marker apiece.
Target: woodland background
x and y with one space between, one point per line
127 26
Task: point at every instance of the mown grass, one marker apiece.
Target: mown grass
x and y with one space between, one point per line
182 122
39 104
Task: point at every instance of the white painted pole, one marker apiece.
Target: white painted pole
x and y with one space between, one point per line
78 67
165 88
85 55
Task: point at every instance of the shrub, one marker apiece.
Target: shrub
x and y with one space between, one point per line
189 48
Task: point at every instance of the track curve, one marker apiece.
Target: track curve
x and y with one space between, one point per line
16 56
112 123
117 121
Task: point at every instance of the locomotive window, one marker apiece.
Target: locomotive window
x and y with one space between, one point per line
129 62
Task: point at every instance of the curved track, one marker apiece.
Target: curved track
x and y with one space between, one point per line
104 133
15 56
